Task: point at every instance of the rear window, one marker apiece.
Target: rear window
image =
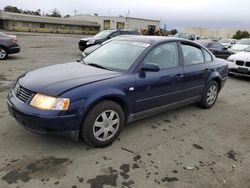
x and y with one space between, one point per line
134 32
244 41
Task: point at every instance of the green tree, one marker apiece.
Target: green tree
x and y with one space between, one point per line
54 13
241 34
10 8
173 31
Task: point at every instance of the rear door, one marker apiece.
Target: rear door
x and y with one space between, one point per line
196 70
154 89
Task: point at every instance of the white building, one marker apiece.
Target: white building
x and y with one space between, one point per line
112 22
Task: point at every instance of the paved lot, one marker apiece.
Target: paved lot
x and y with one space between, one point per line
187 147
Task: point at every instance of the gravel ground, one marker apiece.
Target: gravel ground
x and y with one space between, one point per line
187 147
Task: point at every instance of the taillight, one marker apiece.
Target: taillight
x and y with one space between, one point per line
14 40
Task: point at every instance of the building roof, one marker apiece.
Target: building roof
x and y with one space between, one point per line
45 19
113 17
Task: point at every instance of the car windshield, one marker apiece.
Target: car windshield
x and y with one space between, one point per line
103 34
247 49
244 41
224 41
3 35
184 35
116 55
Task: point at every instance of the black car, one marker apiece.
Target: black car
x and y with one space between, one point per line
216 48
104 36
8 45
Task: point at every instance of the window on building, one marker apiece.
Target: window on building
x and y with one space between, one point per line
42 25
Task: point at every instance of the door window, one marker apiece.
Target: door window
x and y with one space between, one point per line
208 57
165 55
192 55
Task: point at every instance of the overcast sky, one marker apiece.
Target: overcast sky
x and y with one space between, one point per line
174 13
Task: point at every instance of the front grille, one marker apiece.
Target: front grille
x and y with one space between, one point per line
22 93
247 64
240 63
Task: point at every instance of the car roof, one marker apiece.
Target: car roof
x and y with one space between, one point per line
245 39
113 30
149 39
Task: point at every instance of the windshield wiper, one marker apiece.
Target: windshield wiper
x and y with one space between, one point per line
98 66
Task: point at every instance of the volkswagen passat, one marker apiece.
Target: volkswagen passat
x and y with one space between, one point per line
122 81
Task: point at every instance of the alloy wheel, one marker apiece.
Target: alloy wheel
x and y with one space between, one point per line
3 53
106 125
212 94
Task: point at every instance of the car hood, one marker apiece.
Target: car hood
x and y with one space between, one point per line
239 47
244 56
56 79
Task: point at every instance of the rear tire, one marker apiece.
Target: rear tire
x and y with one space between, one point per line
103 124
210 95
3 53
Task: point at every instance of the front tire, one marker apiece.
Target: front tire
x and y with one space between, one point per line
103 124
3 53
210 95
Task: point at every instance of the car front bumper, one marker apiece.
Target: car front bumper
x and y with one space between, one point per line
14 49
40 123
236 71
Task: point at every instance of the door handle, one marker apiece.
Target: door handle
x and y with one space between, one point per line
179 76
206 70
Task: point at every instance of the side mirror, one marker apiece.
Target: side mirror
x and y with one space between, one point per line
150 67
225 48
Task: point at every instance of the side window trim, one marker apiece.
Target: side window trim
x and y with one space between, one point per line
203 51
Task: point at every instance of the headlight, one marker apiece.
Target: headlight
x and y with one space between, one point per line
230 60
45 102
90 42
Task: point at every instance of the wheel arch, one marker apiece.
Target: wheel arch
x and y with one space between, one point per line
2 46
218 80
215 77
119 99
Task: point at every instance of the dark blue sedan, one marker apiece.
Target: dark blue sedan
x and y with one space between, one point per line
124 80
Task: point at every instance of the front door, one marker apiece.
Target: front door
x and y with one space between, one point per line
155 89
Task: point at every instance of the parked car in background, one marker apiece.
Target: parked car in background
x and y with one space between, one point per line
216 48
228 43
124 80
239 63
241 45
188 36
104 36
8 45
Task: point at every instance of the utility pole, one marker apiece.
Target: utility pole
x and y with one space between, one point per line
128 19
75 11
